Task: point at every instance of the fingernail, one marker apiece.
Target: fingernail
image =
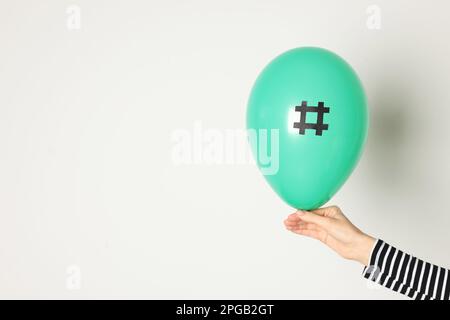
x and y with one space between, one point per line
300 212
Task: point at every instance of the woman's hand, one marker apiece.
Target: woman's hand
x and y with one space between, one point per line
330 226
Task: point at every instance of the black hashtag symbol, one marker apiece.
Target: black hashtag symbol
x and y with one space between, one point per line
319 126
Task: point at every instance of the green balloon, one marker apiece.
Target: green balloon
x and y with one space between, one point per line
307 119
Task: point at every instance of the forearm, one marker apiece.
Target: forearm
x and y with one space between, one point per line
406 274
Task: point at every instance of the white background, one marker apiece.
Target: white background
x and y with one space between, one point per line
86 172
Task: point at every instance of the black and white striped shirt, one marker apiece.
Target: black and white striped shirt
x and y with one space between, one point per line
408 275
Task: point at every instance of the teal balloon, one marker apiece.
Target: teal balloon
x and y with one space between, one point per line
307 119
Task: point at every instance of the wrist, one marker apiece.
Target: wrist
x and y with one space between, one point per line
364 248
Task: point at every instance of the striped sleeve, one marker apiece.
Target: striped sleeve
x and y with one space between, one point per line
405 274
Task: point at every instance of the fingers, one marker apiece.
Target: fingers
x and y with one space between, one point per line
321 212
293 226
301 219
331 212
310 217
293 217
296 224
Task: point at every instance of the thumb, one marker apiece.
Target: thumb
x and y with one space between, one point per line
311 217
